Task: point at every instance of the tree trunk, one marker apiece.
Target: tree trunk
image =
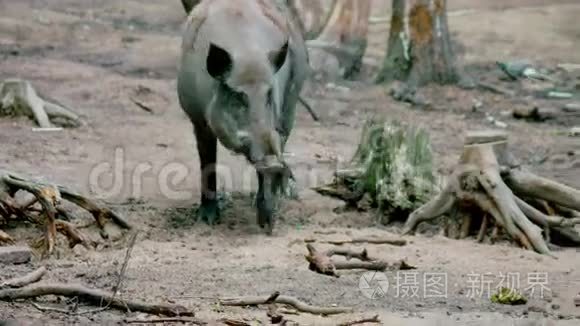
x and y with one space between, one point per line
312 15
344 36
419 46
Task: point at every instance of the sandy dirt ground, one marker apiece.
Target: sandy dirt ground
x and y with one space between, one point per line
99 55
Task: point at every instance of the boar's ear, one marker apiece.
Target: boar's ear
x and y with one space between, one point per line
277 58
219 62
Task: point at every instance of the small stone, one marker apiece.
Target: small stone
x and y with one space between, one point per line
536 309
575 132
559 95
572 107
555 306
500 124
477 105
15 255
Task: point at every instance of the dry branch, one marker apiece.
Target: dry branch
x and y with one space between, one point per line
233 322
93 296
185 320
368 265
363 255
323 264
374 319
378 241
287 300
29 278
50 196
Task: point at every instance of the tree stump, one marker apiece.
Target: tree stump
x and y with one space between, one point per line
495 193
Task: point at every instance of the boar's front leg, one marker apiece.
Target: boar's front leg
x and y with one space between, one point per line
265 202
209 210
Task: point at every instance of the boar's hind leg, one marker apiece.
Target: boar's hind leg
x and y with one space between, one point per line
209 211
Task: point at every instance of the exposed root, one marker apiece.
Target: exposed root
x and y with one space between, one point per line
282 299
49 196
93 296
6 238
488 178
29 278
19 98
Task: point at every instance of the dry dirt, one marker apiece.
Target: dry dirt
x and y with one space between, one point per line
95 56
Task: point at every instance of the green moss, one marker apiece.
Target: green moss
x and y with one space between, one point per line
509 297
392 170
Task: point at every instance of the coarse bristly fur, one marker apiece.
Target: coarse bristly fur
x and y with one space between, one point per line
242 68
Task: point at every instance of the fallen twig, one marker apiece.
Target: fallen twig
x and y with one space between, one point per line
393 242
142 105
92 296
495 89
188 320
287 300
308 108
29 278
233 322
368 265
49 309
121 276
375 319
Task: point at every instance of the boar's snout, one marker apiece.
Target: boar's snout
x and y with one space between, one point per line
260 145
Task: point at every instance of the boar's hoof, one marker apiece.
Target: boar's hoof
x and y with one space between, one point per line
209 212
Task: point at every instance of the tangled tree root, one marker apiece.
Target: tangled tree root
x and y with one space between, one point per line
49 213
19 98
509 198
